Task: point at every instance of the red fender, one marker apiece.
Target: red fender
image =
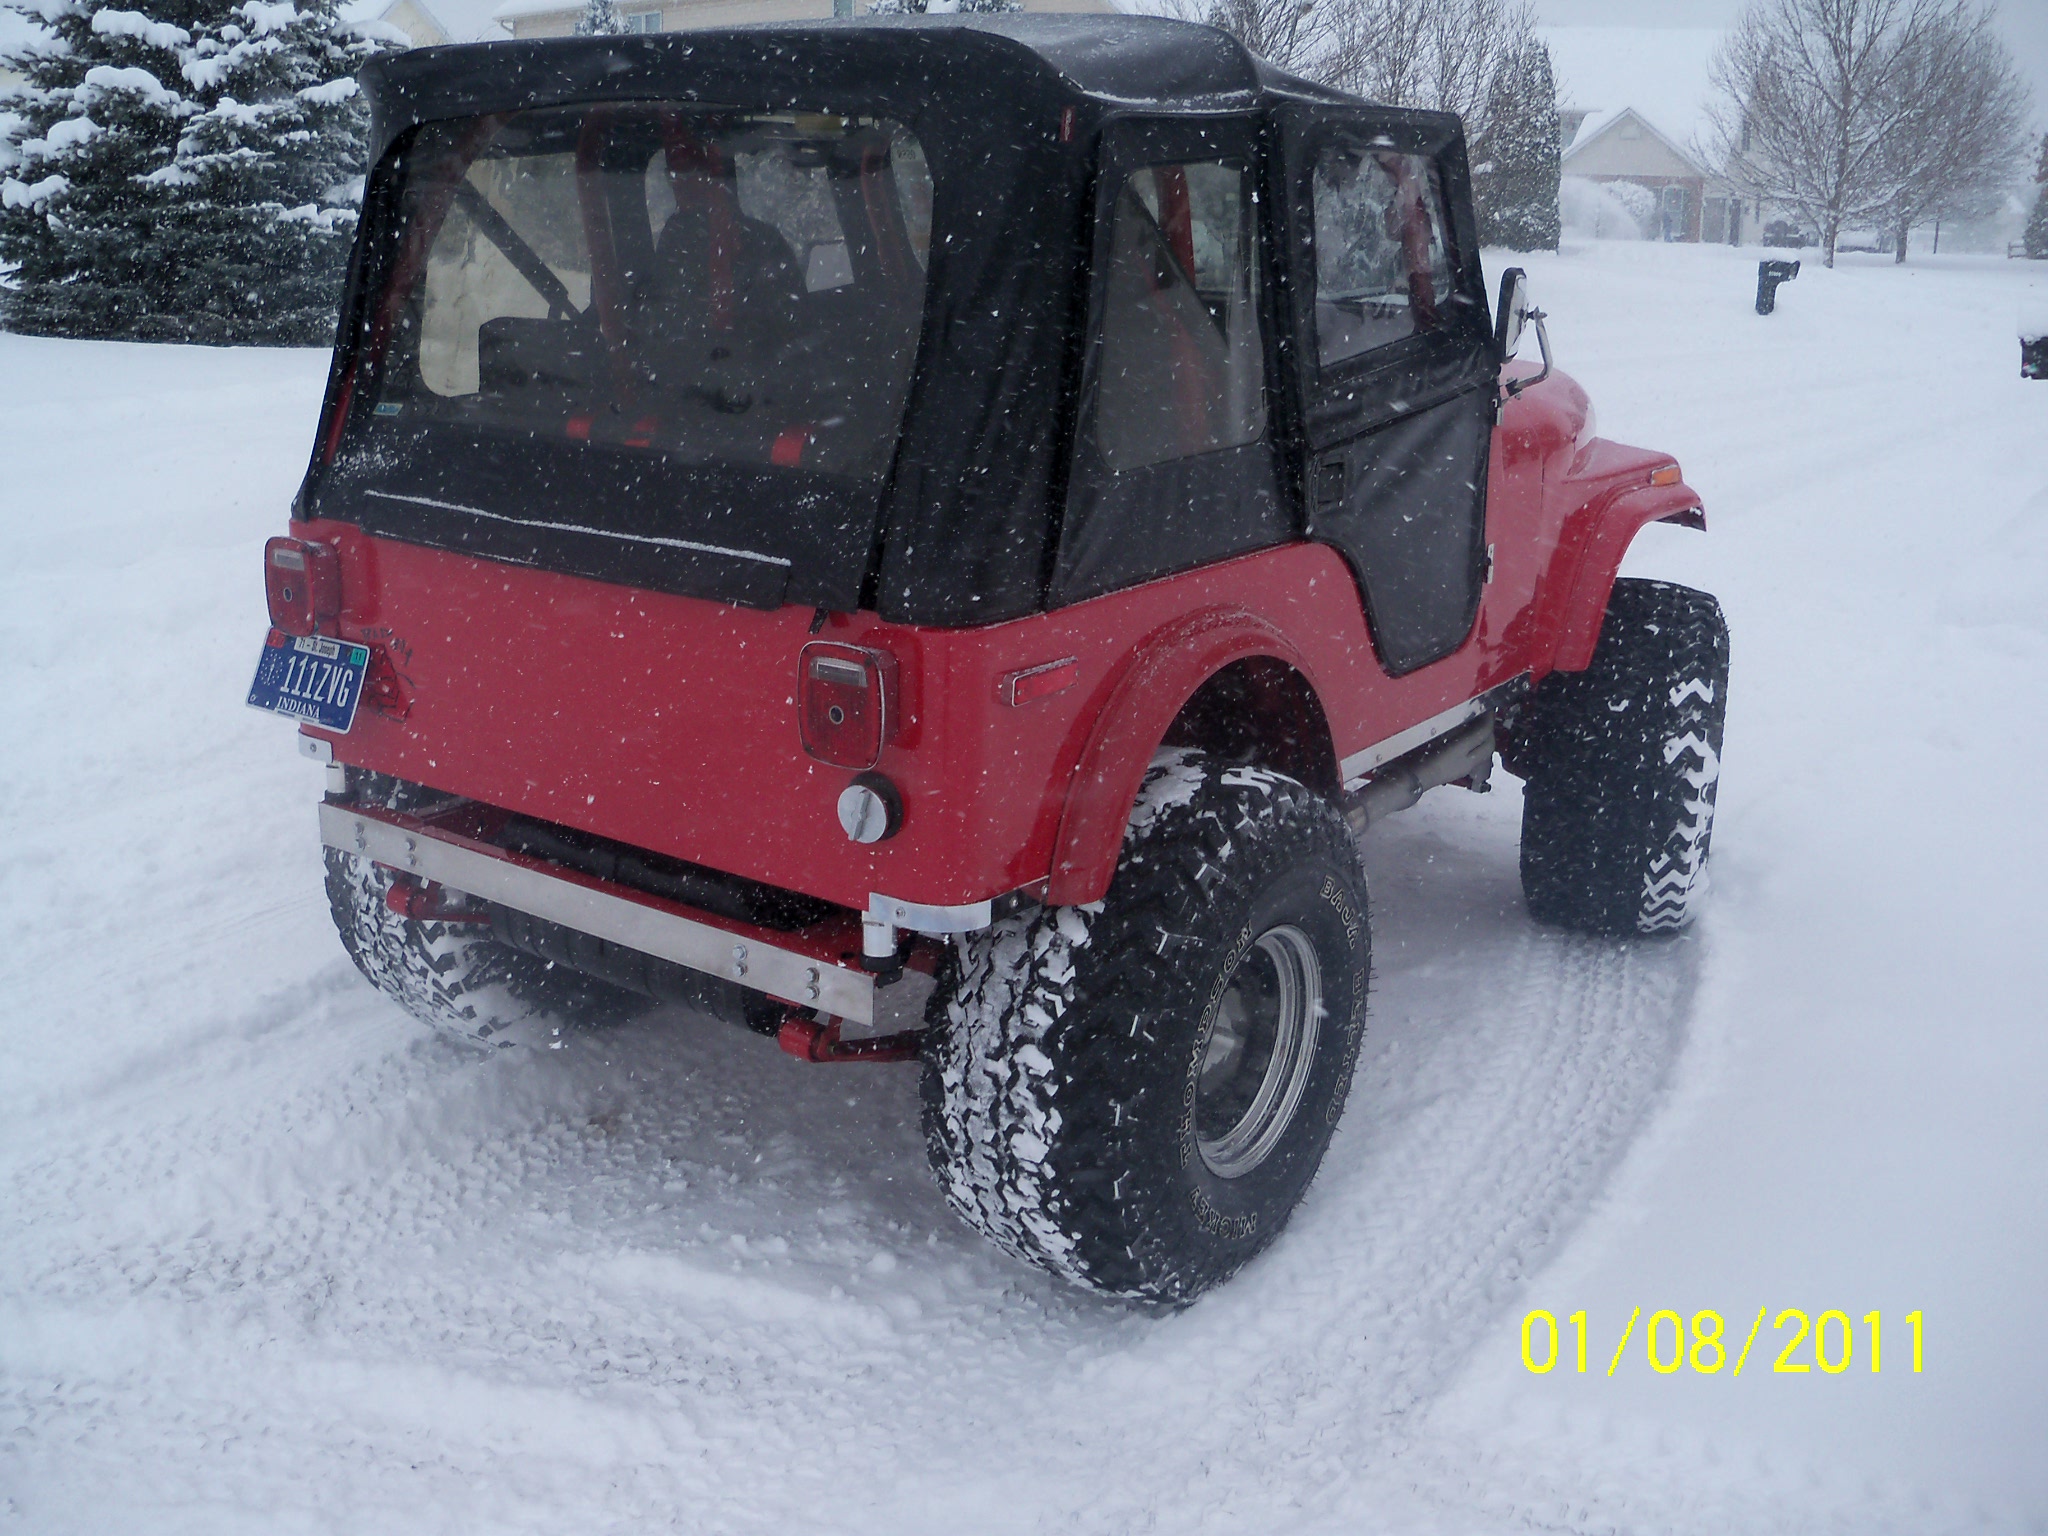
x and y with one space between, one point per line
1600 533
1167 669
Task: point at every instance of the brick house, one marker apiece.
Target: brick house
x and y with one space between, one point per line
1693 204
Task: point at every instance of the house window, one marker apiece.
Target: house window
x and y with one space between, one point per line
642 21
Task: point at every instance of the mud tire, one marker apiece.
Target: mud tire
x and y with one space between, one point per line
1060 1085
1621 763
453 976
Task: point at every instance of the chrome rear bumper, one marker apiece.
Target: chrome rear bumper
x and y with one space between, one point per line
799 968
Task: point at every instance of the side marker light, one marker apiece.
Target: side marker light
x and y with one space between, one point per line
1038 682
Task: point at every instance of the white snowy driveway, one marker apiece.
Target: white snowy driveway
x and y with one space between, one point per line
272 1261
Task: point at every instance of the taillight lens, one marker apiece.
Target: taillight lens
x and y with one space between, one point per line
844 699
303 582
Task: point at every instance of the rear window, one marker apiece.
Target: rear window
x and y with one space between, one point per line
717 286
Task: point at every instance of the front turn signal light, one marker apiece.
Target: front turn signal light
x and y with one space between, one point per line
1664 474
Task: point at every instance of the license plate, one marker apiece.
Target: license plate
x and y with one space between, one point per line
311 678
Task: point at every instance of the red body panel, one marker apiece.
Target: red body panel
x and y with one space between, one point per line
670 723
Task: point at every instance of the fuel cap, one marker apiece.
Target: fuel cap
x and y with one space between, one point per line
870 809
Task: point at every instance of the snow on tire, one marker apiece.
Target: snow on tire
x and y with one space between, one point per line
1622 762
453 976
1135 1094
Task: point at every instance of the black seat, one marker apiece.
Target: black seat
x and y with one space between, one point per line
752 294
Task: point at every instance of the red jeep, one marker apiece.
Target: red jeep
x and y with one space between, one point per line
932 537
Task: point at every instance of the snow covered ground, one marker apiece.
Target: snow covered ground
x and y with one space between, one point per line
273 1261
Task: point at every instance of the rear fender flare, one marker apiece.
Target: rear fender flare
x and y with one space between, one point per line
1610 525
1165 672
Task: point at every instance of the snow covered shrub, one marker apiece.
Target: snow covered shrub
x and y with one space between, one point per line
1642 207
1593 210
185 174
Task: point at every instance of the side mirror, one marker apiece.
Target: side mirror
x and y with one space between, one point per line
1514 311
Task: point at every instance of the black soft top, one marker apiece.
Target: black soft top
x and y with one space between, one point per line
1151 62
966 525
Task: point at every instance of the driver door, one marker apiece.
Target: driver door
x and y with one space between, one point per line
1398 369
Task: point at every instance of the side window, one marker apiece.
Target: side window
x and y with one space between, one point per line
1383 265
1181 367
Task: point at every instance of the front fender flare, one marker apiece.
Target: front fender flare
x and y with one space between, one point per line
1610 525
1164 672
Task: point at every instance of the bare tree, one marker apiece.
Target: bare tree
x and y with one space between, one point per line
1813 98
1286 33
1443 54
1962 138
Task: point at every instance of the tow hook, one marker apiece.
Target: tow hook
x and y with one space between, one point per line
808 1039
425 901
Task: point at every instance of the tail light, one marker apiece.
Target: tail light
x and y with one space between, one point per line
303 582
845 697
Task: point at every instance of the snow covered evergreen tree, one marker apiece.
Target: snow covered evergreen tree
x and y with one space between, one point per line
2036 238
189 174
600 18
1516 158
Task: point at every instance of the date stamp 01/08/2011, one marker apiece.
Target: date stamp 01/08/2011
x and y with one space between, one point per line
1672 1343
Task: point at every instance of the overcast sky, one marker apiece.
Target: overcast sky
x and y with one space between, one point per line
2024 24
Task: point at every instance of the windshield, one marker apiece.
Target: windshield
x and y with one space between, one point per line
717 286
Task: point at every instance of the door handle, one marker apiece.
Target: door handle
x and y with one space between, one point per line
1330 481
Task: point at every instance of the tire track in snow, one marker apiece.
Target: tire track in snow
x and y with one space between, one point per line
1507 1071
352 1242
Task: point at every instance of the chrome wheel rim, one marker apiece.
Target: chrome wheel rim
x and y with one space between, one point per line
1257 1053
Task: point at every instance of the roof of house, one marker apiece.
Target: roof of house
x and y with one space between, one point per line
1600 124
511 10
1664 73
358 12
475 21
